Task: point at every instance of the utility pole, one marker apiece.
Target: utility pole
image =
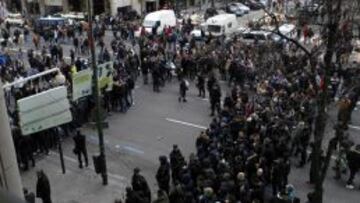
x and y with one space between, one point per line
96 94
9 170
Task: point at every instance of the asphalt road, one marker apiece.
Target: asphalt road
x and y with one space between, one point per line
148 130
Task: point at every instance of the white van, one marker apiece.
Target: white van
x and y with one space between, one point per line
223 24
286 29
161 19
249 36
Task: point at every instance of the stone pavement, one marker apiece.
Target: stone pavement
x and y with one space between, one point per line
77 185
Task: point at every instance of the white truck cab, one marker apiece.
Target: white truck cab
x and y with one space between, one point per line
159 19
222 24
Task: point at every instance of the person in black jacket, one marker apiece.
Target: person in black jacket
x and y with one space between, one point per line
183 88
133 197
201 85
140 186
43 190
80 148
29 196
215 97
177 161
130 84
353 157
163 174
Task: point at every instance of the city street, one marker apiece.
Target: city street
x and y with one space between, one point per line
138 137
149 129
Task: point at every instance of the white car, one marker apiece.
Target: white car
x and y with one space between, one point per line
240 6
15 19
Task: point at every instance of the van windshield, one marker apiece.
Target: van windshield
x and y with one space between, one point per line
214 28
149 23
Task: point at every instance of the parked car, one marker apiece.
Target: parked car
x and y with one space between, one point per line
240 6
310 9
15 19
263 2
234 10
289 30
252 4
250 36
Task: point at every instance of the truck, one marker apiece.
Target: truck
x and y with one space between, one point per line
222 24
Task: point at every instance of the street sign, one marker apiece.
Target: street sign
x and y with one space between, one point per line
105 75
81 84
44 110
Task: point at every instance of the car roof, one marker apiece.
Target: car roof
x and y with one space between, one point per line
156 14
221 17
14 15
286 28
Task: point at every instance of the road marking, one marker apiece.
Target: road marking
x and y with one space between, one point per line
354 127
132 149
186 123
115 176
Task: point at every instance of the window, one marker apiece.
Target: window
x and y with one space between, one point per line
214 28
229 25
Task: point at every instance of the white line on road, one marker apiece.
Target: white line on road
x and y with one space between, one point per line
354 127
132 149
186 123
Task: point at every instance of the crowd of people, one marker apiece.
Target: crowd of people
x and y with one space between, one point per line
260 127
263 127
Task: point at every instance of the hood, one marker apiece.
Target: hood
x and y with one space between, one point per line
148 29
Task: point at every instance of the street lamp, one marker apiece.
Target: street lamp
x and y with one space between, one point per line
101 159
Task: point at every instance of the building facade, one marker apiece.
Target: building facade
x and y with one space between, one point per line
45 7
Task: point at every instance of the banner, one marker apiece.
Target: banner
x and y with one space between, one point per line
81 84
44 110
105 75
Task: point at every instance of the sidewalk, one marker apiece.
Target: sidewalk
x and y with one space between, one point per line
77 185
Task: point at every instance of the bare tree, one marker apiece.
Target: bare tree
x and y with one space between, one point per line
335 12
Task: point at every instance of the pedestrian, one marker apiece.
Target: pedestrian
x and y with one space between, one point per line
130 85
161 197
133 197
26 151
177 161
80 149
163 174
215 99
353 157
184 87
29 196
201 85
140 185
43 190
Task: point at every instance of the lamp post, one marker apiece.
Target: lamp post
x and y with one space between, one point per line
96 94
